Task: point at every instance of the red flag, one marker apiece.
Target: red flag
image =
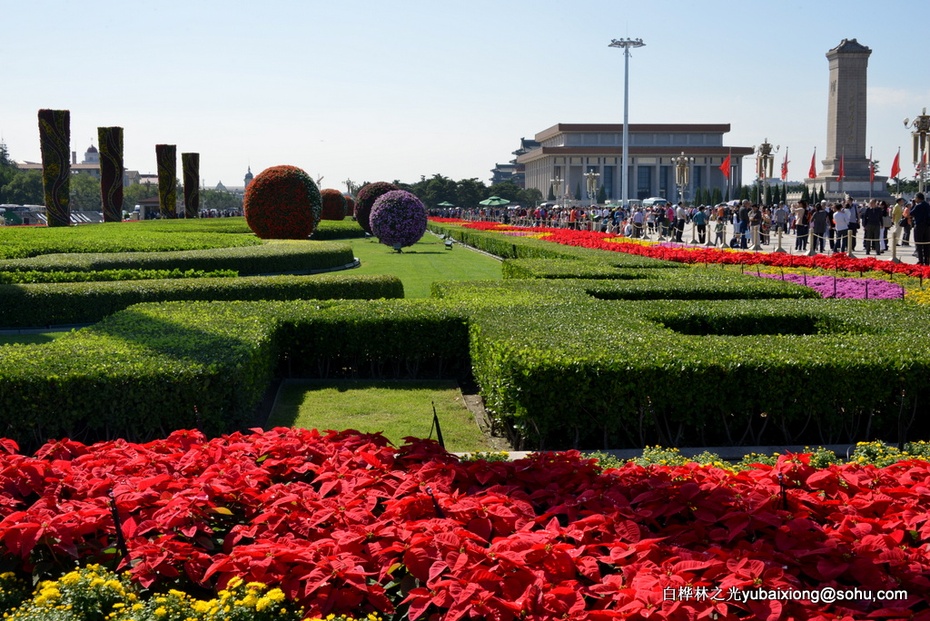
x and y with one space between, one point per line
871 167
725 167
896 165
812 173
784 167
842 173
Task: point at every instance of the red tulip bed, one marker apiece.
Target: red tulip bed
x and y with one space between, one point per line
344 523
699 254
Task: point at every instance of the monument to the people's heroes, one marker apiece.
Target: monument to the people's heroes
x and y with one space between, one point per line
847 116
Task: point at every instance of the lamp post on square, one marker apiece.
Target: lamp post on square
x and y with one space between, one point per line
921 126
626 44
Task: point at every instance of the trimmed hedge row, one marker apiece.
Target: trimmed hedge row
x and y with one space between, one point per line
77 303
690 284
141 373
269 258
560 268
702 373
148 236
520 247
19 278
157 367
556 370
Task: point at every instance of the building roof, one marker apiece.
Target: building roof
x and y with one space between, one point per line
697 150
593 128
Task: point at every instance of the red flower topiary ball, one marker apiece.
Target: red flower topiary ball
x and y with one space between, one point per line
282 202
334 204
350 205
365 200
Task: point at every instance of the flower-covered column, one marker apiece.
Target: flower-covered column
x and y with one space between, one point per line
55 142
166 156
111 172
190 169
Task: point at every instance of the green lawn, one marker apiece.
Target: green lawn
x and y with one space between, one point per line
397 409
423 263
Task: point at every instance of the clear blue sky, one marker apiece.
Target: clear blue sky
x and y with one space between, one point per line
375 90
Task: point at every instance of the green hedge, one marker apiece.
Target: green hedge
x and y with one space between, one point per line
141 373
383 338
634 373
20 278
149 236
519 247
269 258
691 284
557 371
79 303
560 268
157 367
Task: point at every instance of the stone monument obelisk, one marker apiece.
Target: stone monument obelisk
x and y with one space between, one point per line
846 127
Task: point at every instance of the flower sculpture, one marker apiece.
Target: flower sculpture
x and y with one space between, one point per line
282 202
334 204
350 205
366 198
398 219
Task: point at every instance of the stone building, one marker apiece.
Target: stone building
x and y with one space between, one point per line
567 151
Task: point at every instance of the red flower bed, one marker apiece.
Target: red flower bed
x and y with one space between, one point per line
345 523
698 254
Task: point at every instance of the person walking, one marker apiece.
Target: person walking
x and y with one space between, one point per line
801 225
872 221
840 228
681 215
920 221
700 221
819 223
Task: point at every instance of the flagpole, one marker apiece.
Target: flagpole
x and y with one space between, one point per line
871 173
729 170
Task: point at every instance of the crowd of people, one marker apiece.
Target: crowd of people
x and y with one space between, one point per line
821 224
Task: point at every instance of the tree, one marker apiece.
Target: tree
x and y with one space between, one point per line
601 195
219 200
717 197
85 193
24 188
806 194
468 192
7 171
506 189
132 194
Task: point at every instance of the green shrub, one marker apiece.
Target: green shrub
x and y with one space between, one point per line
80 303
20 278
275 257
146 236
561 268
774 371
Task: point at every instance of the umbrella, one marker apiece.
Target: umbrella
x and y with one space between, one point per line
445 204
734 203
494 201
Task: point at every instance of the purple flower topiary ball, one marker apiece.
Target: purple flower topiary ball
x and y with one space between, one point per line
398 218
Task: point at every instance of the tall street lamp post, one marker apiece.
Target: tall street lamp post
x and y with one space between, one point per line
626 44
765 166
556 189
921 127
682 174
591 178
